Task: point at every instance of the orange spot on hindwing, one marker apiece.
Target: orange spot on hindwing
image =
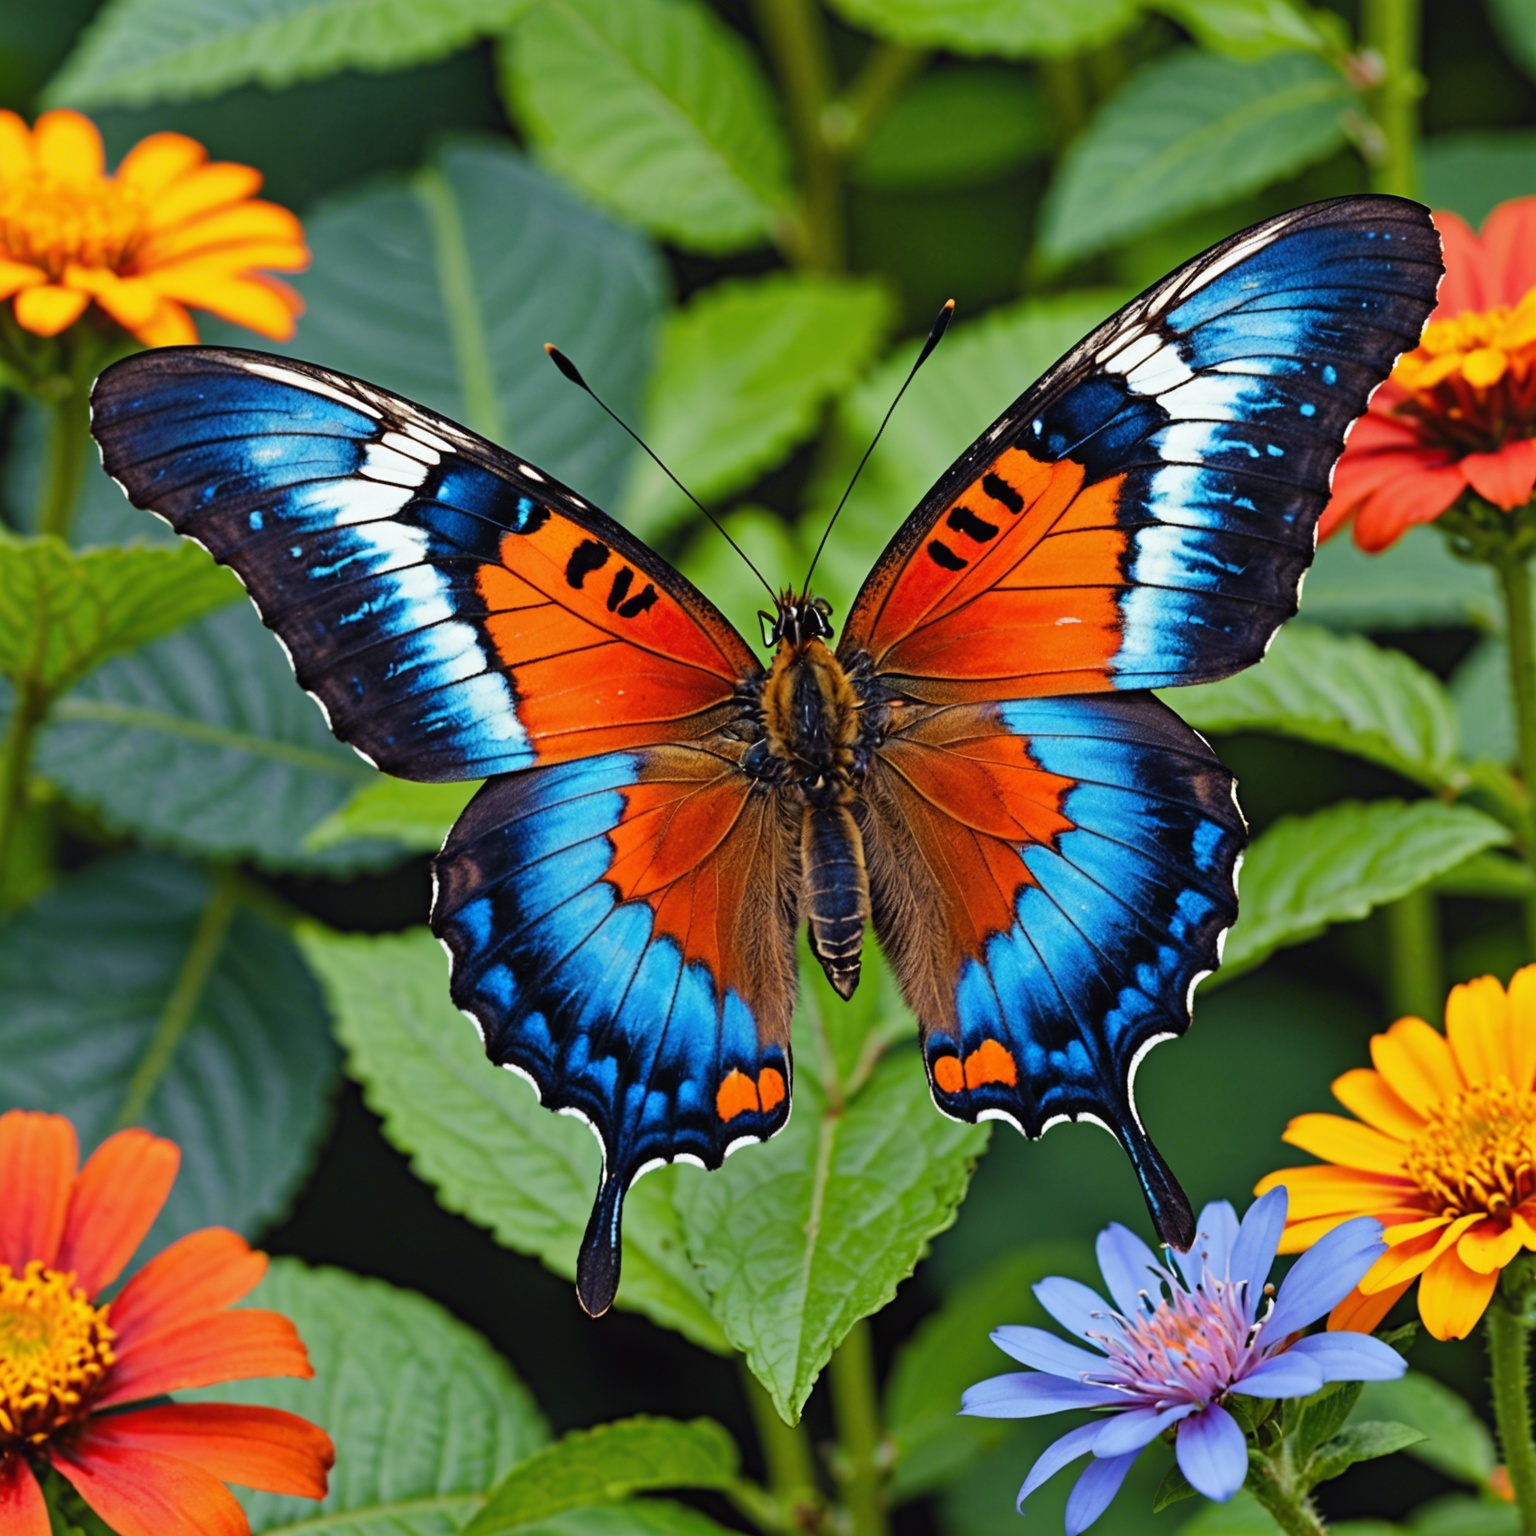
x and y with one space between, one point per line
770 1089
948 1074
739 1095
990 1062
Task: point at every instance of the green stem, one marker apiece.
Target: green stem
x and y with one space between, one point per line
1413 940
848 121
27 710
69 433
1390 29
852 1378
1274 1483
1066 99
796 38
787 1455
1508 1338
202 954
1515 582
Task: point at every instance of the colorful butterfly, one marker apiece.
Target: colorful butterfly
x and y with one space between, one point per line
1047 851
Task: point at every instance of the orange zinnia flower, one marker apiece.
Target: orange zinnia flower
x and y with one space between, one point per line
1443 1154
65 1357
1459 412
166 231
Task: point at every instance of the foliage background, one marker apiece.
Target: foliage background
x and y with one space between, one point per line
737 218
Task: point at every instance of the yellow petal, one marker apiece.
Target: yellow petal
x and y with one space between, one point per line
1301 1235
1414 1226
1477 1026
203 190
68 146
242 256
1414 1256
169 326
1345 1142
16 275
1484 367
1490 1245
129 300
1334 1191
1364 1094
16 157
260 304
154 163
1359 1313
1522 1027
1453 1298
242 222
48 309
1417 1064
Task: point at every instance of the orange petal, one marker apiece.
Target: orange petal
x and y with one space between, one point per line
1508 249
1408 1259
68 146
22 1510
1522 1027
48 309
1452 1298
1477 1026
38 1158
229 1346
1359 1313
169 326
1419 495
199 1274
141 1493
16 157
16 275
1416 1063
1462 286
1490 1245
201 191
1346 1142
1333 1191
131 301
120 1191
1365 1095
1507 477
254 220
237 257
154 163
253 302
255 1447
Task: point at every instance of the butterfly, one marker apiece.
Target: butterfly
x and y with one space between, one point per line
978 766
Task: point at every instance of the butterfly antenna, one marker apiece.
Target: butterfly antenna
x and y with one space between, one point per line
573 373
935 335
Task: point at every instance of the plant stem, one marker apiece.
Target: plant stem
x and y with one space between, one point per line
796 38
786 1451
69 431
850 119
852 1378
1390 29
27 709
1416 985
1276 1487
1515 583
1508 1338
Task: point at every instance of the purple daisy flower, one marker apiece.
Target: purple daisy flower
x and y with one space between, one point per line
1177 1341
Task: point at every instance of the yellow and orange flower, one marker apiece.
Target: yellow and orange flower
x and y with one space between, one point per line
168 230
66 1358
1459 412
1442 1153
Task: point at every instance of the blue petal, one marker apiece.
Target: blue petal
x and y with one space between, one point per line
1217 1231
1258 1240
1285 1375
1076 1442
1351 1357
1135 1428
1045 1352
1212 1453
1325 1274
1029 1394
1094 1490
1128 1265
1077 1308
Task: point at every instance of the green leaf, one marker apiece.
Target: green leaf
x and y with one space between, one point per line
1189 131
1472 173
1490 874
799 1239
1417 582
1338 691
1515 22
714 567
657 110
1458 1442
743 372
1253 29
64 612
478 1135
606 1464
1365 1441
954 127
1173 1489
1459 1515
163 743
952 1350
1243 1516
1309 1421
1011 28
424 1413
142 51
142 993
446 286
634 1517
1334 866
416 816
1486 711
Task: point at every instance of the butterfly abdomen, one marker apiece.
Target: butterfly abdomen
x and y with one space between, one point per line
835 892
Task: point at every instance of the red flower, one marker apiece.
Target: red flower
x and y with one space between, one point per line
1459 411
66 1359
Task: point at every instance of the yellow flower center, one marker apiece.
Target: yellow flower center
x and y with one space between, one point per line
1478 1152
55 1348
50 223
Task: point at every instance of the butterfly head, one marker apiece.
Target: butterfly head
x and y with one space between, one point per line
797 619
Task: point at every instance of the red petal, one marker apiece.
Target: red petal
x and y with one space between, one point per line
1462 287
1417 497
38 1158
119 1193
141 1493
1505 478
1509 249
22 1511
229 1346
201 1273
254 1447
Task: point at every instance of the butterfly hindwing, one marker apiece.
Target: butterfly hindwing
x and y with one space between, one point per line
455 611
1142 516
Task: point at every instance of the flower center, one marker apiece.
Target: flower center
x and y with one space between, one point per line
1471 381
50 223
55 1348
1478 1152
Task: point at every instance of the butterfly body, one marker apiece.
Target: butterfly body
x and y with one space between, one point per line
978 770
